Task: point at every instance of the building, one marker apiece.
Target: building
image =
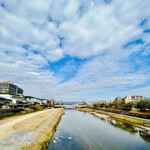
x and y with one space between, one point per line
4 102
128 99
8 96
10 88
134 99
52 101
44 101
118 99
138 98
32 100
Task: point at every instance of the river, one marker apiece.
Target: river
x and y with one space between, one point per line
91 133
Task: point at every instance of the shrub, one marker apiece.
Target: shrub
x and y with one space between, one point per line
6 115
101 105
38 107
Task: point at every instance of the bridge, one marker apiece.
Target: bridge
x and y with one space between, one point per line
71 106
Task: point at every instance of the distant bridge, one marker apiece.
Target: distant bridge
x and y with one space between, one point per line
71 106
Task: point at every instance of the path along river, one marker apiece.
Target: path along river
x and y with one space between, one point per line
88 132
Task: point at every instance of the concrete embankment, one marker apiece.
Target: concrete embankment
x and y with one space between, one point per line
31 131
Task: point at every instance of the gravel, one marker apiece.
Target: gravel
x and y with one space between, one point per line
16 139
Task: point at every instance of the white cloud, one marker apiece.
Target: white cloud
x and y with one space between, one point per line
30 33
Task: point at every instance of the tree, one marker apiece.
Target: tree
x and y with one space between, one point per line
38 107
101 105
122 104
95 105
128 106
143 105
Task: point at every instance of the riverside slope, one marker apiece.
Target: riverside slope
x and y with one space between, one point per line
31 131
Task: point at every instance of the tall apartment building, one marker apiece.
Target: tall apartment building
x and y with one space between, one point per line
134 99
137 98
10 88
52 101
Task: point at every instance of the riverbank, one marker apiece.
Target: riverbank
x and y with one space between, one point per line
138 122
133 112
32 131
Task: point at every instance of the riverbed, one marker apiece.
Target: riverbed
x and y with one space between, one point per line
83 131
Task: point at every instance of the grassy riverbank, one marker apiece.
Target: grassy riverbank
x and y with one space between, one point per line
116 117
133 112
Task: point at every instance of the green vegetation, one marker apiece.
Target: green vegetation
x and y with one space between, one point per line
86 110
122 105
38 107
115 117
145 135
125 119
26 111
143 105
128 106
8 115
124 126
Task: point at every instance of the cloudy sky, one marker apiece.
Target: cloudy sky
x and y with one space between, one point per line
76 49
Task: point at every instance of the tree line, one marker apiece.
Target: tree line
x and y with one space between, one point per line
143 105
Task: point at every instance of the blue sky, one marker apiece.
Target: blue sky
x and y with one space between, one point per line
78 50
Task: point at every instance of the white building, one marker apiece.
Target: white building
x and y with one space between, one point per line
44 101
134 99
8 96
128 99
33 100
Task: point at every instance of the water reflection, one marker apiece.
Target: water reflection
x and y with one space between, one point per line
145 135
124 126
88 132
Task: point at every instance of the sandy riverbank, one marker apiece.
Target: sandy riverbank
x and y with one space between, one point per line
29 130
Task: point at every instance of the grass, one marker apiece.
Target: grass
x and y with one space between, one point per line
101 112
125 119
115 117
133 111
86 110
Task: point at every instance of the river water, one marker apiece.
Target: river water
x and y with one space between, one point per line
91 133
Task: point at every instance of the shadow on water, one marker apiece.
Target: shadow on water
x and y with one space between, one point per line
145 134
124 126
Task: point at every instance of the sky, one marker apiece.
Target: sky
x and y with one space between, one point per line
76 50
